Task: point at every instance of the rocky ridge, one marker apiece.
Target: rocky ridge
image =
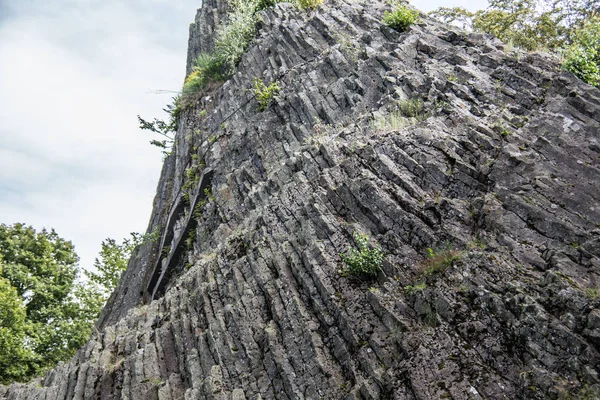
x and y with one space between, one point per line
430 139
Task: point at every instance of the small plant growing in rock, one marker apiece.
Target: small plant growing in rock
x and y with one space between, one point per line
189 241
394 121
197 213
264 4
410 289
592 293
439 262
116 365
364 260
309 4
400 18
264 93
412 108
155 381
208 194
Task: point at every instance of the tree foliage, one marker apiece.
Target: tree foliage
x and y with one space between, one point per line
568 27
12 333
583 56
112 261
48 323
529 24
46 310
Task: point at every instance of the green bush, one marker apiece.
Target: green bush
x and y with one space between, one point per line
233 38
400 18
583 57
207 68
362 261
265 94
231 41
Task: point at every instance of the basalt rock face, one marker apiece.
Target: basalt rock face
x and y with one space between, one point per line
494 164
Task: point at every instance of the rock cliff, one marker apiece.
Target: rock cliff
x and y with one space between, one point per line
430 139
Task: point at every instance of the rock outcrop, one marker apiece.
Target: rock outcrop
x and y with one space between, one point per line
430 139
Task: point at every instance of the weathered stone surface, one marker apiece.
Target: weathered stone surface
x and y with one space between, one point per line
501 164
202 30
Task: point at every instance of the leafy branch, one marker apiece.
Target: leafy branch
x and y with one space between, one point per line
165 129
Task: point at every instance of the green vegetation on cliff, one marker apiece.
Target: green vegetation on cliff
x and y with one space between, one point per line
400 18
231 41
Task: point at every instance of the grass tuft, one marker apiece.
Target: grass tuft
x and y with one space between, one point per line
401 18
438 262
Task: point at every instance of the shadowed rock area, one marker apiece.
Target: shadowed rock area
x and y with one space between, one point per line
430 139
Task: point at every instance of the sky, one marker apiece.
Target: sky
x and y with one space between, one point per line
74 75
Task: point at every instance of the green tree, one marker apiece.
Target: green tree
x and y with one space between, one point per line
529 24
46 310
112 261
48 322
13 349
570 28
583 57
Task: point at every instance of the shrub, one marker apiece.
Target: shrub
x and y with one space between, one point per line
231 41
264 93
309 4
362 261
233 38
400 18
166 130
207 68
580 61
